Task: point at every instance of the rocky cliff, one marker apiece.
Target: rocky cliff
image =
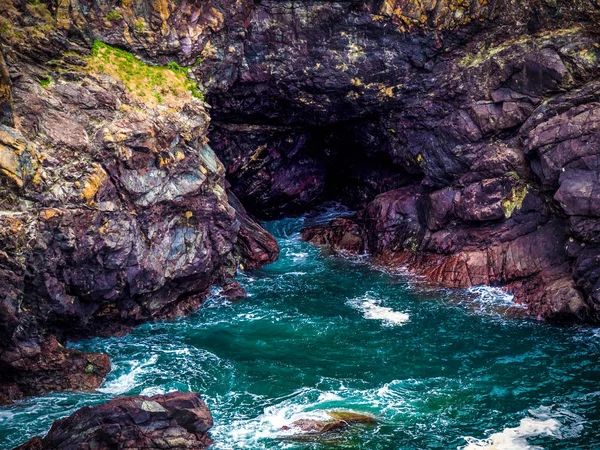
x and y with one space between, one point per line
464 131
113 208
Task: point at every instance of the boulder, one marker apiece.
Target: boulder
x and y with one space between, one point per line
316 426
352 417
172 421
234 291
340 235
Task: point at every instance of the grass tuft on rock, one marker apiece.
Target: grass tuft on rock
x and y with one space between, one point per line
152 85
113 15
45 82
514 201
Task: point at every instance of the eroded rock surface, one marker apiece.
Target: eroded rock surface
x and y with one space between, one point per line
172 421
484 121
113 208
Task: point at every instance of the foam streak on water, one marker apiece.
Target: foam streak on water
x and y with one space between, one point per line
130 378
438 369
542 422
373 310
516 438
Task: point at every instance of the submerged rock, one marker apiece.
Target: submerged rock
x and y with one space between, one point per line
310 428
315 426
352 417
234 291
172 421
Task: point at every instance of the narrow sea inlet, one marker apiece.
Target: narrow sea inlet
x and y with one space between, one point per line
438 369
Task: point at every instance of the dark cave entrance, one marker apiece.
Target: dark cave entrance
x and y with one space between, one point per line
283 170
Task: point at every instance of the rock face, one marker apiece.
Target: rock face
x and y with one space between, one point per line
113 208
352 417
465 134
173 421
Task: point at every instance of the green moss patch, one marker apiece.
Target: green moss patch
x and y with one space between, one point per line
153 85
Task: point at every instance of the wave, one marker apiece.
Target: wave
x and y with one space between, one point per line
305 403
371 308
154 390
492 296
129 380
559 424
515 438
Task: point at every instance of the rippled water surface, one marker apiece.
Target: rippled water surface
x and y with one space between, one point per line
439 370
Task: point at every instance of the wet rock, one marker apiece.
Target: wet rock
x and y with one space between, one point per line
352 417
48 366
234 292
528 257
172 421
340 235
316 426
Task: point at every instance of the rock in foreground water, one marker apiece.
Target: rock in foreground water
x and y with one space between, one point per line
315 426
352 417
176 420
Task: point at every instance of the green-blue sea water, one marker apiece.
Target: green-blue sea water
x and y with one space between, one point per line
439 369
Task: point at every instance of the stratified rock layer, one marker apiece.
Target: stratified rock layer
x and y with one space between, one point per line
173 421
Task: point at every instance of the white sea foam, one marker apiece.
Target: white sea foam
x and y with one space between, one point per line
298 256
516 438
305 403
5 416
153 390
544 421
493 296
247 432
372 310
130 379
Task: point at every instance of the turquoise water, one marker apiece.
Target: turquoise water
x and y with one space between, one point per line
440 370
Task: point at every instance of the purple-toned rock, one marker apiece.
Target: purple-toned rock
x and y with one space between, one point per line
255 247
113 209
340 235
234 292
172 421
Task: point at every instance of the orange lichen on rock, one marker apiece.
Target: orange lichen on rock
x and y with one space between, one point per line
439 14
93 182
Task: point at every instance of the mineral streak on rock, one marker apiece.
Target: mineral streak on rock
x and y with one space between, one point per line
172 421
